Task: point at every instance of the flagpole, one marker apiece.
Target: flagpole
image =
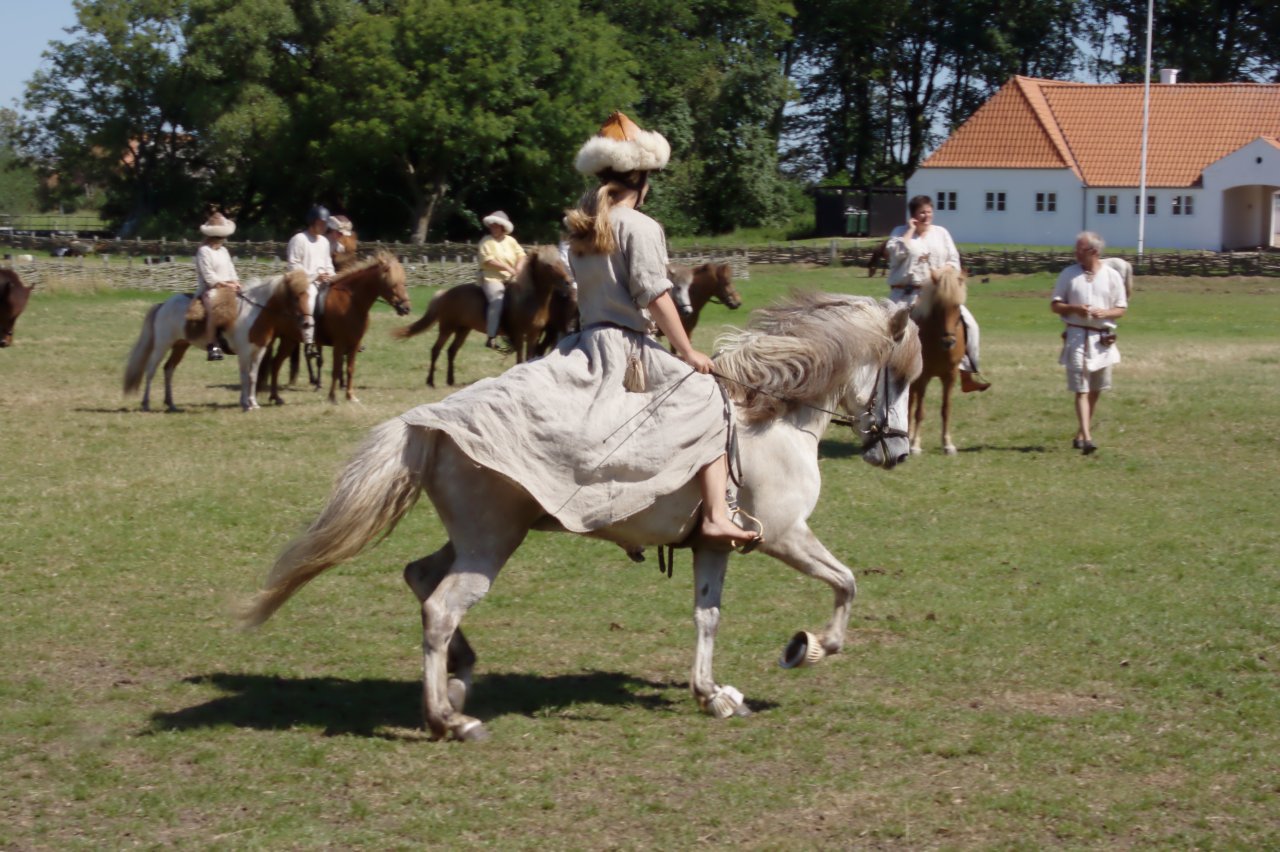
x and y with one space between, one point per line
1146 119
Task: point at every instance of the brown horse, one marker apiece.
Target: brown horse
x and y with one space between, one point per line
342 318
879 258
526 309
697 285
13 301
942 344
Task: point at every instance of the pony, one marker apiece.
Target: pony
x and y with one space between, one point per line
785 370
562 319
942 342
342 318
13 301
694 286
1122 266
879 258
526 310
261 311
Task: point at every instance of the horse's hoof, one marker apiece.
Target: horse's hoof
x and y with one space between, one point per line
727 702
804 649
950 449
471 731
917 451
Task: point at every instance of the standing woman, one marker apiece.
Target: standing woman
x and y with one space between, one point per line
214 269
917 248
501 259
608 422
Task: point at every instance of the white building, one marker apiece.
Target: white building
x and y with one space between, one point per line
1042 160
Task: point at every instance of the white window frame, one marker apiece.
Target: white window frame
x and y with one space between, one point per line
996 202
945 199
1151 205
1183 205
1046 202
1106 205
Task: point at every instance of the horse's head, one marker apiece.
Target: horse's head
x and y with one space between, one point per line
393 283
297 292
546 272
724 291
681 278
878 395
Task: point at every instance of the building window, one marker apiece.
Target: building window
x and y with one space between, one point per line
1151 204
1184 205
1046 202
946 200
1106 204
995 201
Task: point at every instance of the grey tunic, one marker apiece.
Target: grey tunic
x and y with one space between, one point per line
565 429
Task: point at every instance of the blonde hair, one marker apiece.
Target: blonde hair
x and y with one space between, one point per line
589 226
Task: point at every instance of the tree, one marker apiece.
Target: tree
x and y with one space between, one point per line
18 183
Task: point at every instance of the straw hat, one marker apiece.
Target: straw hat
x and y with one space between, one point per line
218 226
497 217
341 224
623 147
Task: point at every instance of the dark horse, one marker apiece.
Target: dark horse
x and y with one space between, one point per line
942 344
697 285
342 318
13 301
879 258
460 310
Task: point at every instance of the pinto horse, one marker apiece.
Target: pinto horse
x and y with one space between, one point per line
694 286
13 301
526 310
261 310
342 318
786 370
942 343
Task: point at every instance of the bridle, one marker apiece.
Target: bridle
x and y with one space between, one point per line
303 320
877 410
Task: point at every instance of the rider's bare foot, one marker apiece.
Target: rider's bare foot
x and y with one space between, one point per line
725 531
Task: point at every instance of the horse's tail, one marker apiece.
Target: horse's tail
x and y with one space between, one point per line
424 322
378 486
133 368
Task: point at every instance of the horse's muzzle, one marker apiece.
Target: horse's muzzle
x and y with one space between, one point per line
402 308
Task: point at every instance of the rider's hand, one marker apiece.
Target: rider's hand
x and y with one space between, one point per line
698 361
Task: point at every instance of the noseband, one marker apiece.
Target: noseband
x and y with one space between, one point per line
879 432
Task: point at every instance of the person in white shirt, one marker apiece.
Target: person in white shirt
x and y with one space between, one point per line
1090 297
914 250
214 270
309 250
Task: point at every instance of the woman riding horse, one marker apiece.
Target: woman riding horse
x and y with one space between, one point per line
214 271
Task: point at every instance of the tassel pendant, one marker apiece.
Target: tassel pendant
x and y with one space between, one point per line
634 379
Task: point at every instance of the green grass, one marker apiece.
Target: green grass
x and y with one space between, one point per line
1047 650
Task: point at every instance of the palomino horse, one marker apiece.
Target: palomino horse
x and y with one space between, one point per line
262 310
697 285
792 363
942 341
460 310
342 318
13 301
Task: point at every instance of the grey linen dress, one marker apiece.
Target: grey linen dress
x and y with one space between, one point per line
565 429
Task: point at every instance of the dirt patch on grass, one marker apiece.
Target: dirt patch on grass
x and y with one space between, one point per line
1057 705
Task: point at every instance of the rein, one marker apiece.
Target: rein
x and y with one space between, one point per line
267 309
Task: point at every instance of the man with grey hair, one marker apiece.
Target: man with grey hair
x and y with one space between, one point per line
1090 297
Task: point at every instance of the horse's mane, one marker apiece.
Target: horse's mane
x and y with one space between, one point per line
394 270
10 276
546 255
946 290
801 350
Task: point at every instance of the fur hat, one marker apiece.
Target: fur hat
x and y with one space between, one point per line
341 224
218 226
497 217
623 147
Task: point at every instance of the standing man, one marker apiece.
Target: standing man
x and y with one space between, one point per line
501 259
1089 296
916 249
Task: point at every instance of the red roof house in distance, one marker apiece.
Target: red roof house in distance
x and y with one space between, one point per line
1042 160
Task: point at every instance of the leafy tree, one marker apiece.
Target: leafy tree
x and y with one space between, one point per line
18 183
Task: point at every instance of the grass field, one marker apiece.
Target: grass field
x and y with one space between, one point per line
1047 650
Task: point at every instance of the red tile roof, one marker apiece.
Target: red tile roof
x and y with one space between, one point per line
1096 129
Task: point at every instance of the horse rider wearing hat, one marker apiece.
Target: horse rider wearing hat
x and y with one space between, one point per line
214 270
565 427
501 259
341 234
309 251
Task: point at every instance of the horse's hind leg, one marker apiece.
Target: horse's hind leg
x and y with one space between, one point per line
948 383
423 576
459 339
915 405
175 357
800 548
720 701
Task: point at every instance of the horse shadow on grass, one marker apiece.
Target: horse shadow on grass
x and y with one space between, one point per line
368 707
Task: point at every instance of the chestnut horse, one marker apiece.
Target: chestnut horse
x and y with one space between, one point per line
13 301
342 318
526 308
262 310
694 286
942 342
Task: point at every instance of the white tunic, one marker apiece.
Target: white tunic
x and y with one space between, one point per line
213 265
309 253
565 429
911 260
1083 347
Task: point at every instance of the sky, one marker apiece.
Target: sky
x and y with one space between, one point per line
29 27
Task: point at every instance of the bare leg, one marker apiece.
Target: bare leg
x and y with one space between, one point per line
717 524
1084 414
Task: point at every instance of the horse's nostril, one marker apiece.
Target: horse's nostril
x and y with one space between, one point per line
902 458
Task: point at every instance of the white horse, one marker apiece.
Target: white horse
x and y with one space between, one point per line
786 370
1119 264
263 308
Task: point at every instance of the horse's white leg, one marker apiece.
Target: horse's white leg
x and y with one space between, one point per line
423 576
708 573
916 412
800 548
948 383
250 358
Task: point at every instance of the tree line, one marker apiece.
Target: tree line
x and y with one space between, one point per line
418 117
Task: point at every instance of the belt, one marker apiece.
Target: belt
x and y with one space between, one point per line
1089 328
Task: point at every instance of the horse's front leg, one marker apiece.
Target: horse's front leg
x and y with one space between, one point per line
800 548
948 383
708 574
915 413
175 357
335 375
350 364
250 363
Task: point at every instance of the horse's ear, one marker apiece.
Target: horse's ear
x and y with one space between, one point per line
898 323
